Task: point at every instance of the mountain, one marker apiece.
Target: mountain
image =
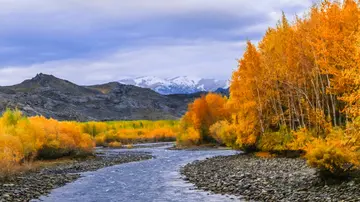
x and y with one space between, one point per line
223 91
52 97
177 85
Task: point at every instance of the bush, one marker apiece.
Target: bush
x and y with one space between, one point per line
224 133
115 144
24 139
336 155
161 134
129 146
275 141
100 140
130 132
189 138
300 139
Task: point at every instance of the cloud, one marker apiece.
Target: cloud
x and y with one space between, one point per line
79 16
107 39
206 59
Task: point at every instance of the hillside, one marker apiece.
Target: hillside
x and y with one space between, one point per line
52 97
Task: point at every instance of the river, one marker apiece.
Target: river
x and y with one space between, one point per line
155 180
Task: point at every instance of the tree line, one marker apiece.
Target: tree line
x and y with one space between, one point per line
298 89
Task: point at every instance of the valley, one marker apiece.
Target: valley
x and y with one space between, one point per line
194 101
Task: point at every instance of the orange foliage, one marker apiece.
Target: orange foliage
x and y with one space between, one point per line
24 139
294 90
203 113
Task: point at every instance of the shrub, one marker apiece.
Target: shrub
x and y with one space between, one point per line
275 141
94 128
23 139
129 132
189 137
100 140
300 139
129 146
115 144
336 155
161 134
224 133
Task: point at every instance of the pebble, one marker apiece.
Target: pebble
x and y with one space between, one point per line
260 179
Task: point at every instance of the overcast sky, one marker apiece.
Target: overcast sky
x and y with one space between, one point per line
96 41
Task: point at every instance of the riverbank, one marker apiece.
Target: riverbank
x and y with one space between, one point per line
33 184
266 179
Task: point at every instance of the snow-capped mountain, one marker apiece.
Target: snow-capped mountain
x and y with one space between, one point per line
177 85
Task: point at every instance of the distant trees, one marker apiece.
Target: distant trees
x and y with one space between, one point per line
24 139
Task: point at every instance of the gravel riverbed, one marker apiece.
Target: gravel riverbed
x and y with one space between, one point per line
32 185
266 179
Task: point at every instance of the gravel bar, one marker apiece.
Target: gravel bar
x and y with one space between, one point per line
267 179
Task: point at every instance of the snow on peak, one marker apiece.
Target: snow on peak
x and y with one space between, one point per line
185 80
149 81
176 85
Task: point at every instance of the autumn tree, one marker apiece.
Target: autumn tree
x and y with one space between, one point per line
204 112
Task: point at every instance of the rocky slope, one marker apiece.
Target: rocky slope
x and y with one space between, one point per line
60 99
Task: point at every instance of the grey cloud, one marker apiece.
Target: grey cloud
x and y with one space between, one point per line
116 38
203 59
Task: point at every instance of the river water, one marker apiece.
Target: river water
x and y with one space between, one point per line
155 180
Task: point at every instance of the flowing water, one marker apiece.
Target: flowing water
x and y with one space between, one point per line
157 179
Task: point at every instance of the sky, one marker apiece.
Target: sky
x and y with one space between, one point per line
98 41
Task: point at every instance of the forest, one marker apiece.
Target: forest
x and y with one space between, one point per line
298 89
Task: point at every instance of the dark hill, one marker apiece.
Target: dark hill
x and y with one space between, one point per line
52 97
223 91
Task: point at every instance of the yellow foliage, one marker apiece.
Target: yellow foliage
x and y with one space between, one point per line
332 155
115 144
189 137
300 139
23 139
129 132
275 141
129 146
224 133
100 140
